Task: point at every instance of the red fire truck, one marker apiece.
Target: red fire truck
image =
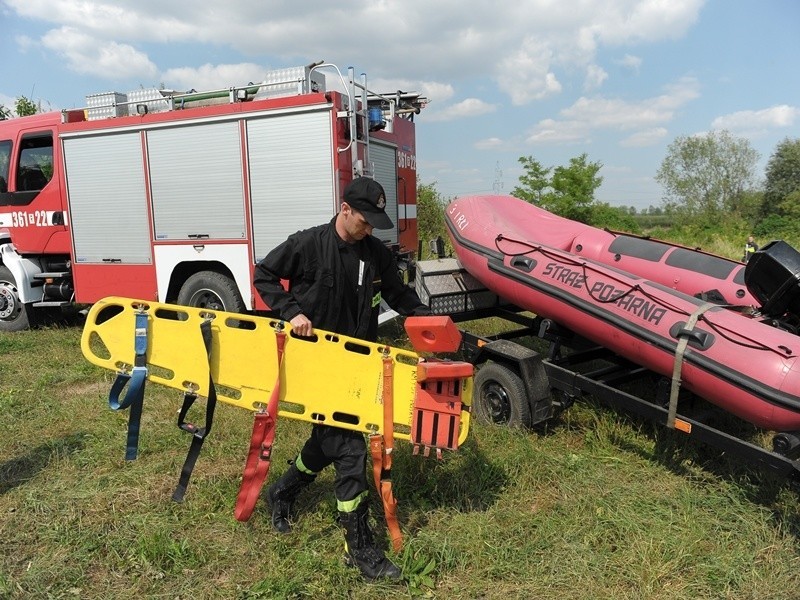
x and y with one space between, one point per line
176 196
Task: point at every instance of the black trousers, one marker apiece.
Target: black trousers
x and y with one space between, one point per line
346 450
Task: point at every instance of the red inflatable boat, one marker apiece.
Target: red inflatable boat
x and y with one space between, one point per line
628 295
688 270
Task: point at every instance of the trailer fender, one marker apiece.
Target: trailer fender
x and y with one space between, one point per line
527 365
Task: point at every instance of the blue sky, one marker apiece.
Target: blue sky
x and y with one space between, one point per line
552 79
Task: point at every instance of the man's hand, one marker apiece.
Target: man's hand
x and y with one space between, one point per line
302 326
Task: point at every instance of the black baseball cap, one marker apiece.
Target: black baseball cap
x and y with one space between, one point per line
367 196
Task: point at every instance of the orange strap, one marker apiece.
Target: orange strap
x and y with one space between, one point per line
256 467
381 447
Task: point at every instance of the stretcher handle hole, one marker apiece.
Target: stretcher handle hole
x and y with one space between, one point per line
342 417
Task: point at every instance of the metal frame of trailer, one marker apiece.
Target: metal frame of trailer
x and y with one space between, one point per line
571 368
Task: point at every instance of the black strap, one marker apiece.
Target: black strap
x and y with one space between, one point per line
199 434
685 336
134 397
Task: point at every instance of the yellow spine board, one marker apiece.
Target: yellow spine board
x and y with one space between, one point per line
331 379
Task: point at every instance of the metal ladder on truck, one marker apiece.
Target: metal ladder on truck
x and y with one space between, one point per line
365 113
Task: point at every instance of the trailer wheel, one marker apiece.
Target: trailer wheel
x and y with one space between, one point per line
500 397
13 312
212 290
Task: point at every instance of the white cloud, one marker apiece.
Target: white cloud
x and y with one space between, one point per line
526 75
758 122
435 92
24 43
627 22
634 63
88 55
527 48
108 19
595 76
645 137
588 114
560 132
470 107
491 143
615 113
208 77
567 35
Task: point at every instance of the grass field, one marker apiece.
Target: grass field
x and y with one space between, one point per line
595 505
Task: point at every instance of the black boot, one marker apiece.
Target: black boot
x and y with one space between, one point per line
281 496
360 548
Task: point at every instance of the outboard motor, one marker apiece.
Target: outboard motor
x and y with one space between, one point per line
772 275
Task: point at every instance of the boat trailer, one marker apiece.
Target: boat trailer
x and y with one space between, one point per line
536 369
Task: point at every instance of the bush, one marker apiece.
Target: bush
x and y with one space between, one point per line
778 227
430 218
611 217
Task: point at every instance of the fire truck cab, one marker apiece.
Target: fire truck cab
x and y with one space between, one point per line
175 197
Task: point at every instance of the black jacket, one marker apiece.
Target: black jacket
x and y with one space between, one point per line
309 260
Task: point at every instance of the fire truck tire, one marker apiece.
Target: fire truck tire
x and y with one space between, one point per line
212 290
499 397
13 313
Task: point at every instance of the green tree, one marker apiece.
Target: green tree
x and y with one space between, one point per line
707 175
564 190
25 107
573 189
533 182
782 179
749 206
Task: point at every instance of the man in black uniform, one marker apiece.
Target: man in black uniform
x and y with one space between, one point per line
337 274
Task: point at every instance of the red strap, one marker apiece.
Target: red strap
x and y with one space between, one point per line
381 449
388 410
390 511
376 450
256 467
384 488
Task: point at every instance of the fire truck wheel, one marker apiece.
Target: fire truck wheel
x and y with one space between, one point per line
13 313
212 290
499 397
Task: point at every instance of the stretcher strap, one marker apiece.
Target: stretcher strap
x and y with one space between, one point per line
199 434
259 456
134 397
684 335
381 447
